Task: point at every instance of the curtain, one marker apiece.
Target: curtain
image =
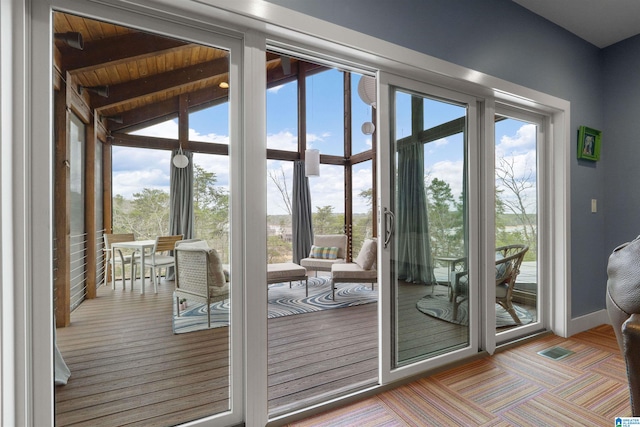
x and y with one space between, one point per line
415 263
302 226
181 220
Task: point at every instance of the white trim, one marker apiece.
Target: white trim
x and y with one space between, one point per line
255 212
588 321
487 227
385 105
14 372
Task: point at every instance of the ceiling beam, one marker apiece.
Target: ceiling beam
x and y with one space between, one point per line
161 83
118 50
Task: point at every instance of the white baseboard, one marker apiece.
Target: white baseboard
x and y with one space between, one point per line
588 321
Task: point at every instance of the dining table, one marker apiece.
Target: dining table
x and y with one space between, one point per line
138 247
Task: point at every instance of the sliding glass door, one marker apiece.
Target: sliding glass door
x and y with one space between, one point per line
519 295
174 354
425 221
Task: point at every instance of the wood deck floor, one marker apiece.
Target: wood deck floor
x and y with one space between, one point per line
128 368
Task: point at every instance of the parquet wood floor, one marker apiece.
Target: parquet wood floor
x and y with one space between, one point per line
514 387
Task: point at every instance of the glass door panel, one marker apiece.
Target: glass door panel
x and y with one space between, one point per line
159 358
324 204
430 285
518 296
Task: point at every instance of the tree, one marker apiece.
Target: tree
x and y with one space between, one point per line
151 213
362 224
515 190
280 181
325 222
211 210
445 219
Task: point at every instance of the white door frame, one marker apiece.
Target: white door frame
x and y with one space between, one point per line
42 184
25 185
385 160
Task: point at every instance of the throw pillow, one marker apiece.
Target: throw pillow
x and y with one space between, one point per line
215 269
324 252
501 268
367 256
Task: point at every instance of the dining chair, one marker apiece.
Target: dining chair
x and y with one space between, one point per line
158 258
120 257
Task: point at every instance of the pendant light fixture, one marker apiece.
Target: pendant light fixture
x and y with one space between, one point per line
180 160
368 128
312 162
367 90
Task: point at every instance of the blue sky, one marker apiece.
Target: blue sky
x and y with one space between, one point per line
134 169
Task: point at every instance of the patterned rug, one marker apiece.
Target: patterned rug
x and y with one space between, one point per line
439 306
282 301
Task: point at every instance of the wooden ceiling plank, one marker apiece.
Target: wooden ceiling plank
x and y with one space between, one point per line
115 50
162 82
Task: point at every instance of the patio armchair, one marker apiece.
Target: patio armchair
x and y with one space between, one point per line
327 250
362 270
199 276
158 258
120 258
508 261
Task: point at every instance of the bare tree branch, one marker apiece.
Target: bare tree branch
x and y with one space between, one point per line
278 178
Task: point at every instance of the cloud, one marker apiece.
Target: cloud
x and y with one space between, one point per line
210 137
129 182
275 89
283 140
168 129
524 141
326 190
450 172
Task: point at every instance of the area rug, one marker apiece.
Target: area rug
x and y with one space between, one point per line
440 307
282 301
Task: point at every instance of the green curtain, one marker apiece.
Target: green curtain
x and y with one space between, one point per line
415 263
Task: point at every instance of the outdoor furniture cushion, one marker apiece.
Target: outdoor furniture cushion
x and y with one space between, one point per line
327 241
351 272
324 252
286 271
367 255
215 272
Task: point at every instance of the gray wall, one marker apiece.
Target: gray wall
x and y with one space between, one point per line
621 142
502 39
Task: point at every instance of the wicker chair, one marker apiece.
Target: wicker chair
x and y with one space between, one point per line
199 276
508 261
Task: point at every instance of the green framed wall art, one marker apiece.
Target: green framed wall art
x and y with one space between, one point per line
589 143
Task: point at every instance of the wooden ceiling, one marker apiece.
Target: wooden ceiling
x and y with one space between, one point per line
146 73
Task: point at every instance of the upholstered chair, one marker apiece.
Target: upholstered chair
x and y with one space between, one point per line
327 250
623 307
362 270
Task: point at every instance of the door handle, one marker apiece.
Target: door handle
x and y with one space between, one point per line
389 226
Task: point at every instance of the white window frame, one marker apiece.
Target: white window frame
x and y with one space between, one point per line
26 192
41 312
